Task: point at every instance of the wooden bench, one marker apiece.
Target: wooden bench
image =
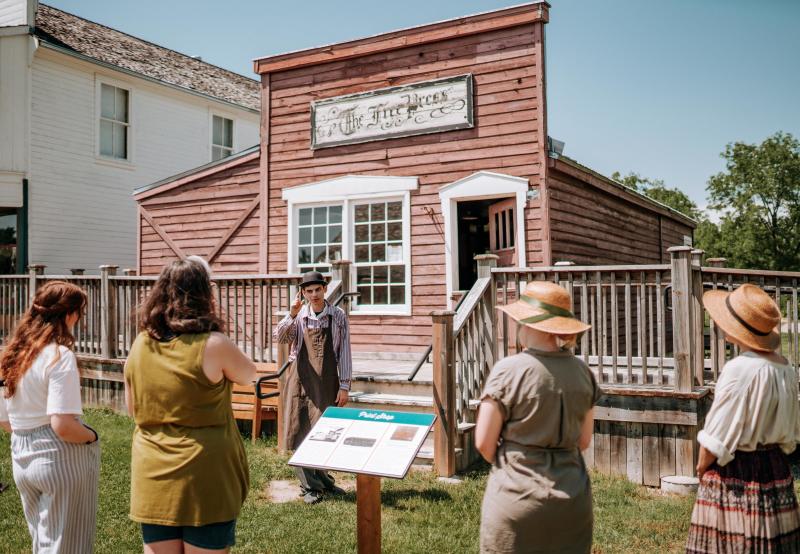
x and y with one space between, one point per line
247 406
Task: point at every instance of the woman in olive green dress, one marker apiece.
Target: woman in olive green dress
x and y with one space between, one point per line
535 418
189 474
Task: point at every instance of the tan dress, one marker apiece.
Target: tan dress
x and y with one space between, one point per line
188 464
538 497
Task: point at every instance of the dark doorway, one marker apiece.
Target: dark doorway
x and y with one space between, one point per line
473 239
8 241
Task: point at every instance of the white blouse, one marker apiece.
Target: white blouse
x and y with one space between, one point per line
51 386
755 404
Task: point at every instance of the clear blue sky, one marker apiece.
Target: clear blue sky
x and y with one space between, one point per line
656 87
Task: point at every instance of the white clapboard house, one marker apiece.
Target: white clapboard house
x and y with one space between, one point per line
89 113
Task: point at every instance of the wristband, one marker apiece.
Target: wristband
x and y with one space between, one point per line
96 438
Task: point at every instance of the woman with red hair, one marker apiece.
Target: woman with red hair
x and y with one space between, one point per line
56 458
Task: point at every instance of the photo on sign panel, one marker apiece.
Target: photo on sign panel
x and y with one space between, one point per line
404 433
359 441
326 434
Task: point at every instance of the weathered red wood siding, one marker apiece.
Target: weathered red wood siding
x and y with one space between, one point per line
594 223
196 216
507 138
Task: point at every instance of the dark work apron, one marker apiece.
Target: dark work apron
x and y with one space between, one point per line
312 385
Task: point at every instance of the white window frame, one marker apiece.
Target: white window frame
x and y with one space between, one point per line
128 162
348 191
232 119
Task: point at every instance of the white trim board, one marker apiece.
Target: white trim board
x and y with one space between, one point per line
482 185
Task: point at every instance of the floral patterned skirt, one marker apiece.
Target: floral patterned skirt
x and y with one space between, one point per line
749 505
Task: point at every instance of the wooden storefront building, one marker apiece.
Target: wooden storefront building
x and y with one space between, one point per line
407 153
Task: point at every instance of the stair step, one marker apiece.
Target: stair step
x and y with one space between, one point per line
473 404
391 402
465 427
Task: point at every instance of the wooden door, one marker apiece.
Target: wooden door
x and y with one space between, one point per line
503 232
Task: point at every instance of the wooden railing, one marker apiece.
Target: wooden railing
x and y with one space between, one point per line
248 303
784 287
649 337
630 341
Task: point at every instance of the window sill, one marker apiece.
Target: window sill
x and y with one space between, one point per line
397 313
114 162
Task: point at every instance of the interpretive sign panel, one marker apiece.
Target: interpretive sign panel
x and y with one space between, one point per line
432 106
372 442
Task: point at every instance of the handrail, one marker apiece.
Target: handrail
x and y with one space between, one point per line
270 376
428 350
581 268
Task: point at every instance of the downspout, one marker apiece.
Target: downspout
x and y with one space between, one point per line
22 231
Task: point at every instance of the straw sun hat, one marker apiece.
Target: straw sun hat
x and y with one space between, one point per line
747 314
546 307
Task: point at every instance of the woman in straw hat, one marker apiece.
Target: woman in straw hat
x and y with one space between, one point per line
535 418
746 500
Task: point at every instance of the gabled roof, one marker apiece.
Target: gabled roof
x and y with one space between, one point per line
109 46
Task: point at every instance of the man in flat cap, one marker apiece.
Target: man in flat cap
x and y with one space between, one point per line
320 373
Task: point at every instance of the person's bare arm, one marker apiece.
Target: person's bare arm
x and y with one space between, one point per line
224 359
704 460
70 429
487 430
587 428
128 395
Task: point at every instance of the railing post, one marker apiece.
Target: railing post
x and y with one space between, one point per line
340 271
682 320
698 318
282 355
486 262
108 312
34 271
444 394
77 271
716 262
129 272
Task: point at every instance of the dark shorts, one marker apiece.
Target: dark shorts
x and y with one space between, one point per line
214 536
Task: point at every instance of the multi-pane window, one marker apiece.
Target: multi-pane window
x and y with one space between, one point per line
319 237
221 138
114 121
378 253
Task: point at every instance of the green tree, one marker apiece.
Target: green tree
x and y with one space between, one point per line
660 192
758 196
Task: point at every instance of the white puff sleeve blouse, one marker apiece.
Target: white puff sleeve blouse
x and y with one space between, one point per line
755 404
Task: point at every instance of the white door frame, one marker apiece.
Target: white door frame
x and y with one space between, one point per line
479 186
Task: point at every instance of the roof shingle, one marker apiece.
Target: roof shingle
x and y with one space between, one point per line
134 54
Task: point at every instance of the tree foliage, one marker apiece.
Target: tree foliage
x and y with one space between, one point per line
758 197
660 192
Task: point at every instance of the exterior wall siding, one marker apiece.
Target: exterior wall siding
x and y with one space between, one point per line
82 213
506 69
196 217
592 227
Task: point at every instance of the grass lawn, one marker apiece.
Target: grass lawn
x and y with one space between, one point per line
419 513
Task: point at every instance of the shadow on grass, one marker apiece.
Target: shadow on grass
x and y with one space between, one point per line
397 498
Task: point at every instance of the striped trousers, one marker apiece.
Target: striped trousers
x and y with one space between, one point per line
57 481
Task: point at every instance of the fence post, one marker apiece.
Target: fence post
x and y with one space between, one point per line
444 394
682 321
698 318
485 264
282 355
108 312
717 262
34 271
76 271
340 271
717 338
129 272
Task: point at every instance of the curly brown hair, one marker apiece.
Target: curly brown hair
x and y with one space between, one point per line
180 302
43 323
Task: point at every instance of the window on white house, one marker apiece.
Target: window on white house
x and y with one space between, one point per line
378 253
319 237
114 121
221 138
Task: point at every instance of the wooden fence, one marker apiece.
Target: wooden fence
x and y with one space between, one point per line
651 346
249 304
